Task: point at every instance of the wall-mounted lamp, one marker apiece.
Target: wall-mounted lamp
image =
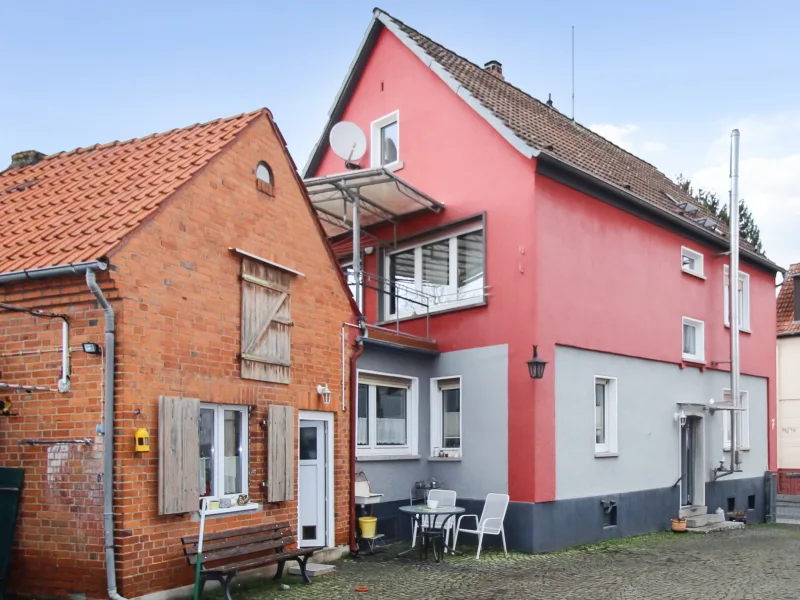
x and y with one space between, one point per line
324 393
91 348
536 365
680 417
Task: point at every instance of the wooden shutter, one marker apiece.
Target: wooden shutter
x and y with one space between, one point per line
178 455
280 454
266 322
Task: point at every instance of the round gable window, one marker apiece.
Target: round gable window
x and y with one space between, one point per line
264 181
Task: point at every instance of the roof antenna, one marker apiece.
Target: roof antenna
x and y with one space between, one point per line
573 72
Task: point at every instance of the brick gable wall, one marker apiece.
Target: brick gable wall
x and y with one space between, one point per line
178 334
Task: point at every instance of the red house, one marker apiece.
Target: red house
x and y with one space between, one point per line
490 222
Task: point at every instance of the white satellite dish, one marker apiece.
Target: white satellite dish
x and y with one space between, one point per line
348 141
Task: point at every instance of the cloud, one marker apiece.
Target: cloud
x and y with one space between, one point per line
769 178
653 147
616 134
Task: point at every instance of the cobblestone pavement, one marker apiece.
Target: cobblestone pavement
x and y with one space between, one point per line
760 562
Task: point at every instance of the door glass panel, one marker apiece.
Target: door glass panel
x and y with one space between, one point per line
233 452
206 434
308 443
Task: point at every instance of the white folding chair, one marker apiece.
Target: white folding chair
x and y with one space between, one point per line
490 521
445 498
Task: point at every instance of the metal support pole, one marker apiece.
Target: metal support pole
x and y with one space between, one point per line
357 250
733 289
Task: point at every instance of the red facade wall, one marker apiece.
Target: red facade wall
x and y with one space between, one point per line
58 547
454 156
563 268
178 314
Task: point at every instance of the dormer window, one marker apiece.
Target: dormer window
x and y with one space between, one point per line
264 181
386 142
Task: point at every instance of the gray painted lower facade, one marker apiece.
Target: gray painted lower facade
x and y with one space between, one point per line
641 480
482 466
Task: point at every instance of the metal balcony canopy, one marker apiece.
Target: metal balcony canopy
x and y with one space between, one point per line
382 198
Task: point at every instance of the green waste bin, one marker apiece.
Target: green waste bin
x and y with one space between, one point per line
10 491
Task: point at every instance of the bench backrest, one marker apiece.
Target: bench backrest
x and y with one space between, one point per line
225 546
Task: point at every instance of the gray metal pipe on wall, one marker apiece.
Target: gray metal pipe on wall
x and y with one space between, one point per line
108 433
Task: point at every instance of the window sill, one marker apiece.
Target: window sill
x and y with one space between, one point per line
606 454
379 457
740 449
693 274
220 512
444 459
394 166
693 361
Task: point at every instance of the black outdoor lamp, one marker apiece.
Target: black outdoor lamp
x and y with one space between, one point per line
536 365
91 348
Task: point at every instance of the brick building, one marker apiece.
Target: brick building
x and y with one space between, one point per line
197 254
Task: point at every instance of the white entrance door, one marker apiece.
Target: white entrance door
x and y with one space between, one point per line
312 484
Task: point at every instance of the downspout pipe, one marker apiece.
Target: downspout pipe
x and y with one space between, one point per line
353 415
108 435
733 289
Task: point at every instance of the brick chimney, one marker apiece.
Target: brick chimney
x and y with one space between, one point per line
495 68
25 158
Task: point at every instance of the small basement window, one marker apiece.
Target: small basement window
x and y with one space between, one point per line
691 262
264 180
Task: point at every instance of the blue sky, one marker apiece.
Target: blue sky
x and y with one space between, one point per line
667 81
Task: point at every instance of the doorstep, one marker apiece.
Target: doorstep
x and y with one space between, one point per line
312 569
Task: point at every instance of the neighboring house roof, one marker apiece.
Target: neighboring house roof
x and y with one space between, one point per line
786 322
78 206
531 126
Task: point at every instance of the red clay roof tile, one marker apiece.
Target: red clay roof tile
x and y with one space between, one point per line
786 322
78 205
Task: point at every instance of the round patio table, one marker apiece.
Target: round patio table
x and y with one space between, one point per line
436 527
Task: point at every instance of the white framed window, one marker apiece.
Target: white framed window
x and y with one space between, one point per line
446 406
223 437
744 299
385 141
387 418
693 340
439 274
692 262
741 419
605 416
349 274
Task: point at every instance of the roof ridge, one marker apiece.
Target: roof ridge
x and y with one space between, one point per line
521 91
149 136
567 121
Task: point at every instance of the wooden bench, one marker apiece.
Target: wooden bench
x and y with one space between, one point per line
228 552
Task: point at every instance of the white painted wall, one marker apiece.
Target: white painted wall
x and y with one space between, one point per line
789 402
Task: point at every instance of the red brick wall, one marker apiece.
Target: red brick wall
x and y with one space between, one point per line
58 547
789 481
179 336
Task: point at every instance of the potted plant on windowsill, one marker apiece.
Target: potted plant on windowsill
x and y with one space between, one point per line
679 525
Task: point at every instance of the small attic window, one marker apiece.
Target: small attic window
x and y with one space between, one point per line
264 181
